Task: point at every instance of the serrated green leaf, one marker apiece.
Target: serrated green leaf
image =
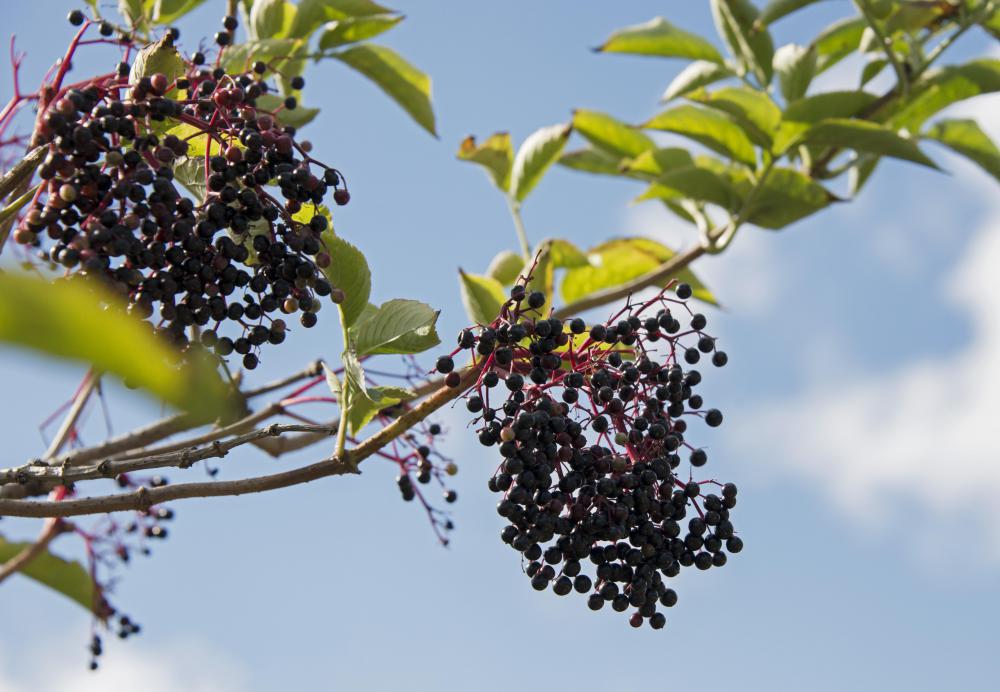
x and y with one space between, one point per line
912 16
837 41
592 161
306 213
169 11
795 66
495 154
565 255
191 174
969 140
198 140
776 9
348 271
830 104
785 197
312 14
364 408
698 74
619 261
860 173
749 40
353 29
133 11
867 137
715 130
300 116
659 161
240 57
609 134
660 38
78 319
506 267
404 83
399 326
69 578
536 154
693 182
482 296
944 87
752 110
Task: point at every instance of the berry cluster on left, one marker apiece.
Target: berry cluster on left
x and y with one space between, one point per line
169 179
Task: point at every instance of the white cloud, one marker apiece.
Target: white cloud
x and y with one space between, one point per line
921 437
125 667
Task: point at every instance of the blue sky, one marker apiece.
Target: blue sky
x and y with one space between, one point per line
862 343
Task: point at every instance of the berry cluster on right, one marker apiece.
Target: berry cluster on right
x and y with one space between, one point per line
592 428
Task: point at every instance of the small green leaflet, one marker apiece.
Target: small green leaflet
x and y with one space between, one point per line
495 155
399 326
348 271
539 151
483 296
63 576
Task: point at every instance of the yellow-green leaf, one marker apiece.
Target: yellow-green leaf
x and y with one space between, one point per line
591 160
169 11
752 110
696 75
659 161
482 296
506 267
365 407
79 319
565 254
748 39
660 38
795 66
610 134
270 19
311 14
693 182
404 83
949 85
837 41
619 261
864 136
787 196
399 326
353 29
537 153
348 271
969 140
71 579
716 130
495 155
776 9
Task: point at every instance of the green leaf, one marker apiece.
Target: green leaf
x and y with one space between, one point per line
800 114
753 110
837 41
78 319
749 41
270 19
969 140
776 9
566 255
945 87
610 134
71 579
364 408
333 382
9 213
830 104
404 83
911 16
400 326
619 261
483 296
344 31
191 174
795 66
539 151
696 75
348 271
592 161
300 116
787 196
658 37
863 136
198 140
240 57
169 11
860 172
659 161
496 155
133 11
872 69
159 57
693 182
715 130
506 267
311 14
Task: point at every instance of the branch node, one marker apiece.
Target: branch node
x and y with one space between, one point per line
104 468
220 450
186 461
142 499
273 430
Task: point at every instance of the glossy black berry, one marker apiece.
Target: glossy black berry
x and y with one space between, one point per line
76 17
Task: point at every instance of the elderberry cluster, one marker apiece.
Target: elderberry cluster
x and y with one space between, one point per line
592 428
195 204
